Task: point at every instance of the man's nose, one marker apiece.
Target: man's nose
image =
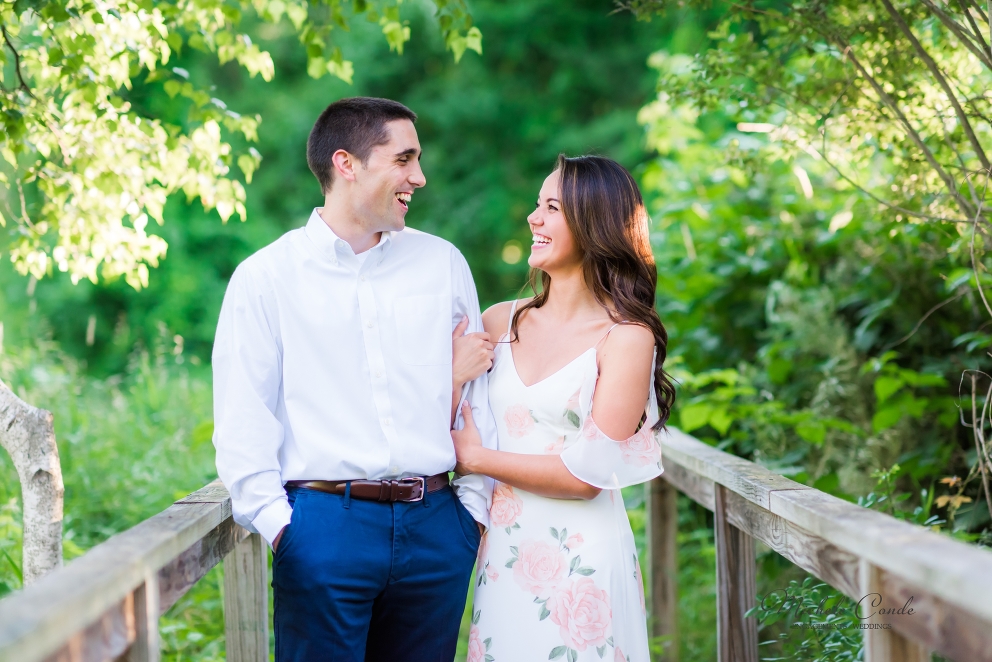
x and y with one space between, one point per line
417 178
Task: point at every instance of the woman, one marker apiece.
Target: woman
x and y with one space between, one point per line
578 392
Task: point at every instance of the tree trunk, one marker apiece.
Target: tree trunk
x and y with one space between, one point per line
29 436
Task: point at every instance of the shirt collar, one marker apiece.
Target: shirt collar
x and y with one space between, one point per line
333 246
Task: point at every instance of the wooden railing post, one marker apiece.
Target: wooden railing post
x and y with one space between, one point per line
884 645
663 522
246 597
737 636
146 647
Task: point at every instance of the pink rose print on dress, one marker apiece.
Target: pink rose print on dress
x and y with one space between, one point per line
556 446
538 567
492 574
641 449
582 613
476 649
618 655
506 507
591 431
574 542
572 411
519 421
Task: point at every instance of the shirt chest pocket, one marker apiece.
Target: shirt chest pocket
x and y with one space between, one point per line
423 329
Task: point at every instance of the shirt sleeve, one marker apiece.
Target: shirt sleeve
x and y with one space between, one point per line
475 491
606 463
247 366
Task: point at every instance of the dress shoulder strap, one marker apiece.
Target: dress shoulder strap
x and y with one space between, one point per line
605 335
509 322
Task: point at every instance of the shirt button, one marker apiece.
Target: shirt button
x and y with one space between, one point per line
361 278
369 324
387 421
394 470
378 373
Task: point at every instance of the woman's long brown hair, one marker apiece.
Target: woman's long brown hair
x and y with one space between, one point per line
605 212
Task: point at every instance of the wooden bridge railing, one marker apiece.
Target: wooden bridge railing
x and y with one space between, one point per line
105 605
857 551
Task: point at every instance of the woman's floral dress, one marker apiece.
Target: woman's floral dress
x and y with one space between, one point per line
558 579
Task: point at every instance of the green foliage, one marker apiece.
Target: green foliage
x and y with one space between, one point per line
555 77
90 168
788 293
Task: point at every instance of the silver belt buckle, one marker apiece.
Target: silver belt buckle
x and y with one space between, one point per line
415 480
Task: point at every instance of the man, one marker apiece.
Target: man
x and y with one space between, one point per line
333 395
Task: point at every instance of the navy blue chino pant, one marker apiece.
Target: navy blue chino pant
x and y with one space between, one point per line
366 581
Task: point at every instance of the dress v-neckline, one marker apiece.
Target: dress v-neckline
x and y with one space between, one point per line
513 364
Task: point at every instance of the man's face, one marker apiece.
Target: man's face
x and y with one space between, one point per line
385 183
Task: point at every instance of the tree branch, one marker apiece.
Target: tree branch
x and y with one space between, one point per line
974 27
979 51
942 81
17 63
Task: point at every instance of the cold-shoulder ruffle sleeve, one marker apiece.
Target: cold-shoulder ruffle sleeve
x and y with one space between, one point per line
606 463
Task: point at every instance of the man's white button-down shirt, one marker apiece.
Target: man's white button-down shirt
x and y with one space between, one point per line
332 366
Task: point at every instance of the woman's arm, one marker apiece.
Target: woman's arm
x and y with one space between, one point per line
539 474
621 394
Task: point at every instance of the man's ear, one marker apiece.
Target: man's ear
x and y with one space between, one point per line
345 164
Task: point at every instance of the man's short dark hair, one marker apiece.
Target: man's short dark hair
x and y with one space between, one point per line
355 125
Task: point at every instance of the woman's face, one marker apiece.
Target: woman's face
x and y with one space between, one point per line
553 246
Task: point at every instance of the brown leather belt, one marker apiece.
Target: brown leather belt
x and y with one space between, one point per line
406 490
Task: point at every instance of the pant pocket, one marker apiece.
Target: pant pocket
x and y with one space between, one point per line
470 528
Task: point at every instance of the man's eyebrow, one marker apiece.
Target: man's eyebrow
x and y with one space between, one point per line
408 152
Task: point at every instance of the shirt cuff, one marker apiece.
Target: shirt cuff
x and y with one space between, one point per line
474 502
272 519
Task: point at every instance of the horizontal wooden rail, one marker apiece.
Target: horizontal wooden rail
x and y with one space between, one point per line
106 604
856 550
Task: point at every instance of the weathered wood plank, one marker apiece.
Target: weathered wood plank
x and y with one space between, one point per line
105 639
213 492
189 567
246 591
737 636
753 482
146 647
936 625
958 573
691 484
835 566
38 621
884 644
663 522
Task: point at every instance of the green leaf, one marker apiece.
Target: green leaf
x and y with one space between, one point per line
886 418
812 431
573 419
779 370
721 420
886 386
554 533
544 612
574 564
601 650
695 416
585 572
172 88
557 652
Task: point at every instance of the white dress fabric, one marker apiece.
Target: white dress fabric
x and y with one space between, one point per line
559 579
